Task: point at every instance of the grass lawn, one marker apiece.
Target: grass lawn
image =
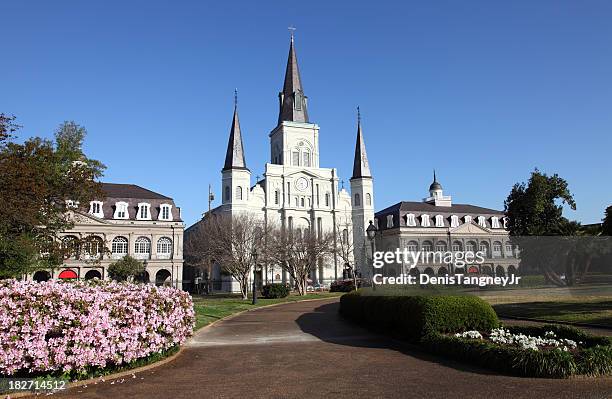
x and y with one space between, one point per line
598 312
214 307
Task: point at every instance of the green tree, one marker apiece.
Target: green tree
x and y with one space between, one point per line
548 241
41 180
125 269
536 208
607 222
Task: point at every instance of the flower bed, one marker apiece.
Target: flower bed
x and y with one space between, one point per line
547 351
520 340
76 327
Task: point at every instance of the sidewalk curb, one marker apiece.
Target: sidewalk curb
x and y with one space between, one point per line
108 377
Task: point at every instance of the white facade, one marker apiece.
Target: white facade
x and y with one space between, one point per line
295 191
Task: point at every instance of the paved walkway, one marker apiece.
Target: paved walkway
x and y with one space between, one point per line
304 350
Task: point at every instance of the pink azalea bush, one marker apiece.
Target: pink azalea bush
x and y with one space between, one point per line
72 326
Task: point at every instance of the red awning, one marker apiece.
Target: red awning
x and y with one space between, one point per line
67 273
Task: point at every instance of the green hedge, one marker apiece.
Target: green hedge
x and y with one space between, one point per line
275 290
430 322
413 317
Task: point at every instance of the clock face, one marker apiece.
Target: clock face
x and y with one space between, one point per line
301 184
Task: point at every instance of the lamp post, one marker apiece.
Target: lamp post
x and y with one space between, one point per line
254 256
371 233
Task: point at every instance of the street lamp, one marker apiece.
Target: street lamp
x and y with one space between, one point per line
371 233
254 256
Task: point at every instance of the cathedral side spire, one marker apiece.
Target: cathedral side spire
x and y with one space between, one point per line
292 99
361 167
234 157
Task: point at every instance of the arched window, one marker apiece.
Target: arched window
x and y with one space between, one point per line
239 193
425 221
470 246
142 248
456 246
119 247
427 246
454 221
164 248
70 247
228 195
441 246
165 212
93 247
357 200
495 222
439 221
296 158
368 199
497 249
413 246
306 158
482 221
484 247
410 220
467 219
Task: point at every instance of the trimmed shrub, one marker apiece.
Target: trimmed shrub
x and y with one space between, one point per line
430 321
79 327
414 317
275 290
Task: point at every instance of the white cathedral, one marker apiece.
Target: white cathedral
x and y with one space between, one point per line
295 191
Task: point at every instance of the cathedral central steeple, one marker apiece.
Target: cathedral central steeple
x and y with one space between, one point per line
292 101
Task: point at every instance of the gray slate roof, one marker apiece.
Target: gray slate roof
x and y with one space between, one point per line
133 194
401 209
361 167
234 156
292 86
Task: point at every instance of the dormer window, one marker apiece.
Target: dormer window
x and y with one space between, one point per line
410 220
482 221
495 222
454 221
165 212
121 210
439 221
95 209
389 221
467 219
70 204
505 220
144 211
425 221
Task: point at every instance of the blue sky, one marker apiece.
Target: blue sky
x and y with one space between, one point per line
483 91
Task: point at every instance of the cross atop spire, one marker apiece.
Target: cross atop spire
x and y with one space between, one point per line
361 167
234 157
292 99
292 31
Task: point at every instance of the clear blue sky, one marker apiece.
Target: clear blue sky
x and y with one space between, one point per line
483 91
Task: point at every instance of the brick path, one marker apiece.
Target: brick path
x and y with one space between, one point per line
304 350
